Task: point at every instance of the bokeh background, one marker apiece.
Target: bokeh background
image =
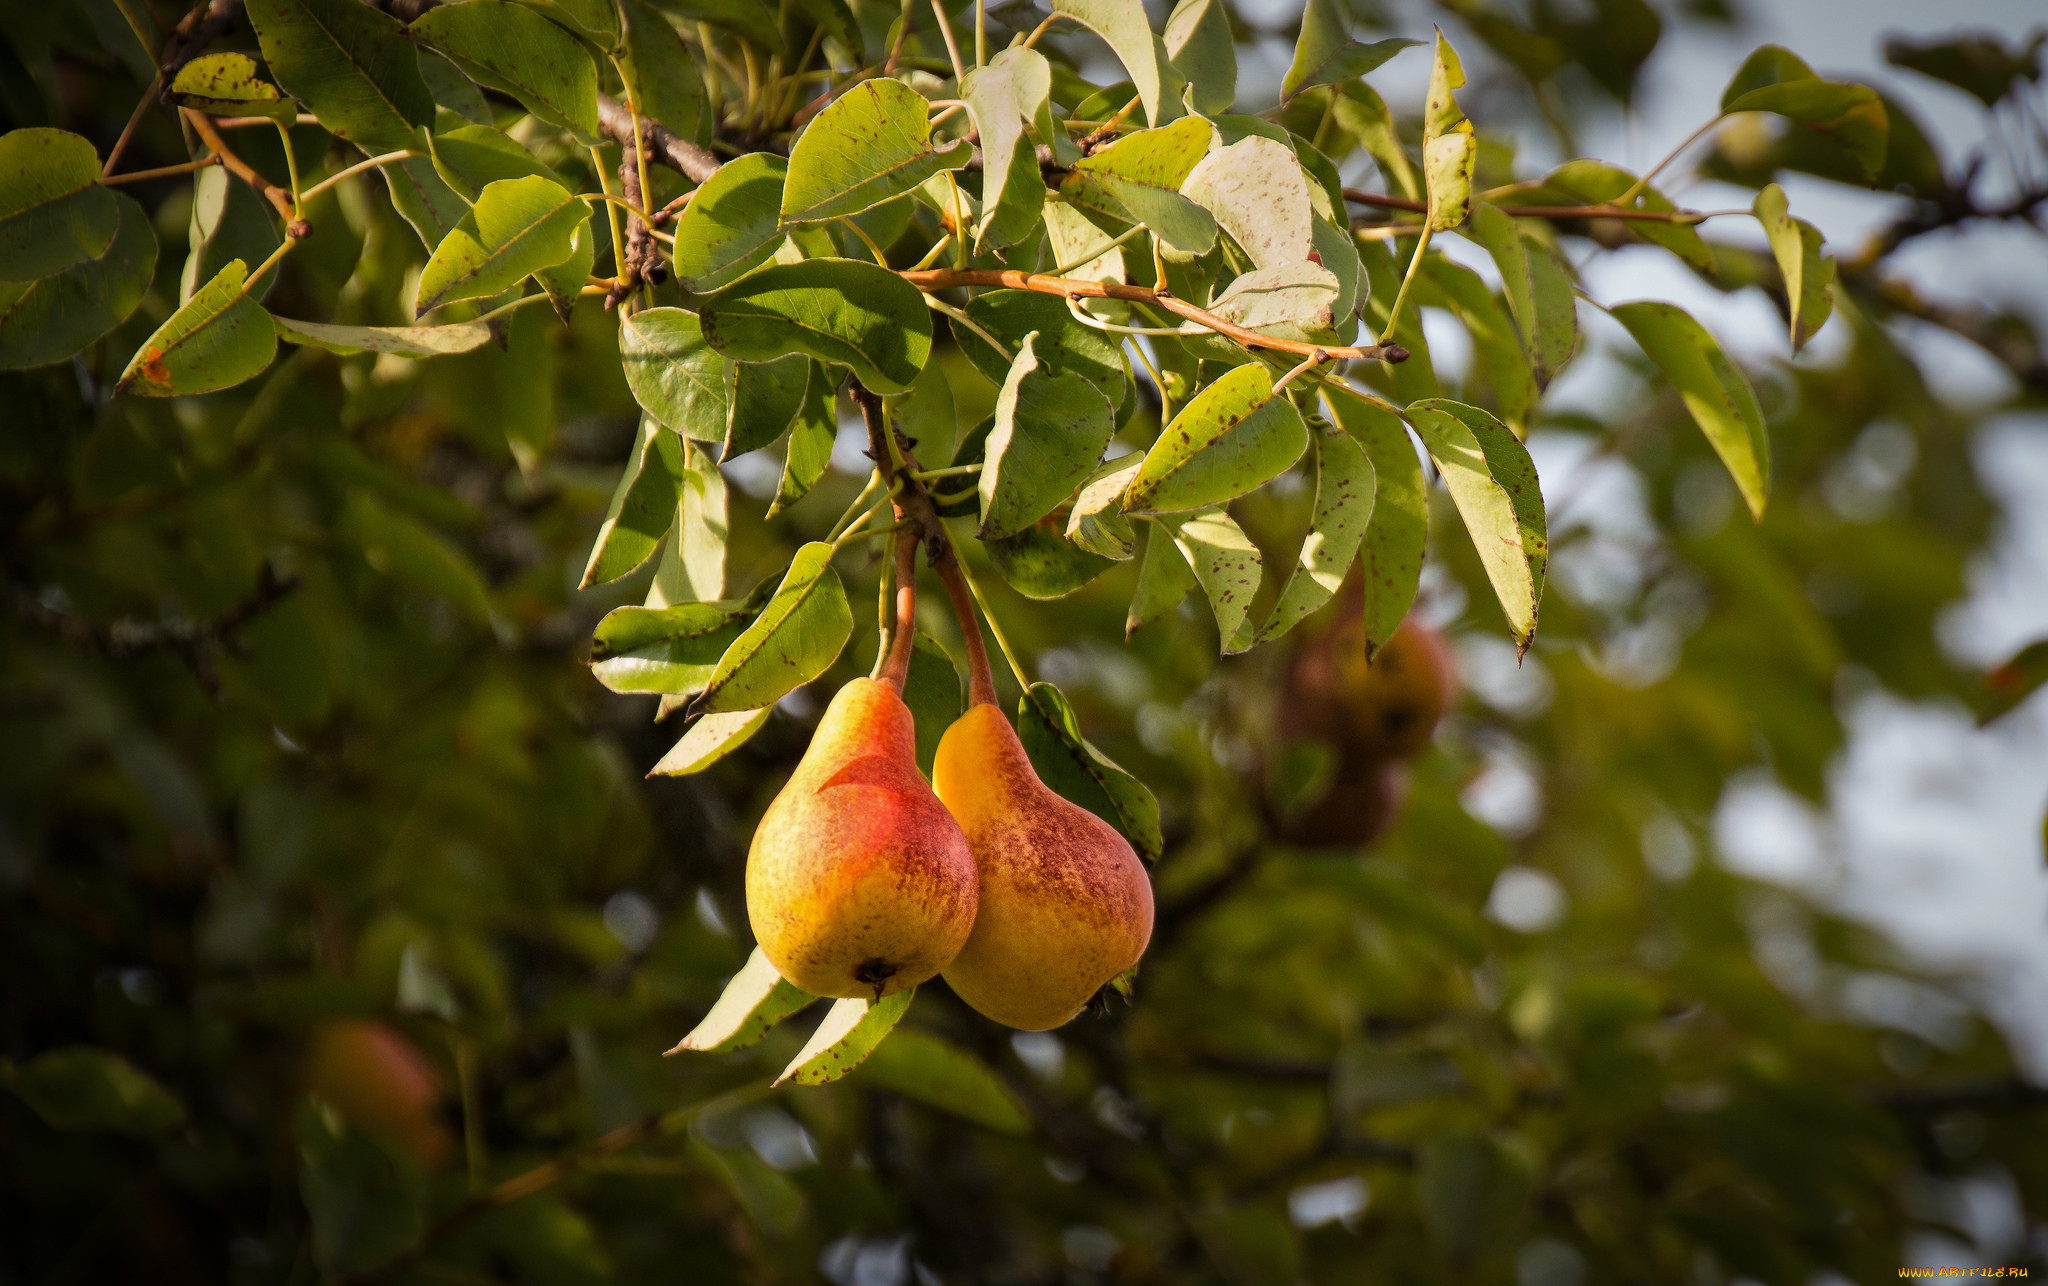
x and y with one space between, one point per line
1710 945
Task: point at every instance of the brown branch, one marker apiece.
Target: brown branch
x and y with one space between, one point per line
1384 202
208 20
241 169
931 279
642 262
194 642
665 147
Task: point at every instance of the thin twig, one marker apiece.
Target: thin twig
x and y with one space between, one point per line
160 172
946 278
1381 200
353 170
280 199
134 122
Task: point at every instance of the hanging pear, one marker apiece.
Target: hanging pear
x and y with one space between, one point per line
859 881
1065 904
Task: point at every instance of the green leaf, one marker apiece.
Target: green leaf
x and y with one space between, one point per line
2010 684
351 66
1713 389
405 341
1774 79
659 69
1229 439
509 47
594 20
850 1032
48 320
406 550
920 1066
1808 273
229 85
1325 53
1122 24
1199 44
1039 562
664 649
1050 432
1083 775
1259 195
1000 96
1077 244
872 144
1538 288
643 505
1164 579
229 221
423 200
1137 179
794 640
692 565
565 282
711 738
1228 567
1300 294
453 91
1344 503
1362 113
469 158
731 224
1493 482
1449 150
1063 344
754 1001
1591 182
1495 344
1980 64
516 228
1339 253
80 1088
1415 378
837 310
1392 551
218 339
762 401
53 212
675 376
810 445
1097 523
932 691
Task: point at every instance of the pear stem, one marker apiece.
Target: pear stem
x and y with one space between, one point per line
981 685
897 667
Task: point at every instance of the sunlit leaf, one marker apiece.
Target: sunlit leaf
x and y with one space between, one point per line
1337 526
1796 244
731 224
1538 289
643 505
1001 96
1228 567
711 738
1230 438
517 227
794 640
850 1032
1097 522
1137 179
837 310
218 339
810 445
1122 24
1493 482
675 376
1391 553
872 144
754 1001
1449 150
229 84
404 341
1325 53
1259 195
1199 44
1713 389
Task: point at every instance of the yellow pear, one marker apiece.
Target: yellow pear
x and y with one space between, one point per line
859 882
1065 904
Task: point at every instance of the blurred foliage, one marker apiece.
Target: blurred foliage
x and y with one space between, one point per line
331 893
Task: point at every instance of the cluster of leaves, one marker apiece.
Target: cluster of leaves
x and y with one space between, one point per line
1145 347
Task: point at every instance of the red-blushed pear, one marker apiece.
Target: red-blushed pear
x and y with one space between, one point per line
1065 904
859 882
380 1084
